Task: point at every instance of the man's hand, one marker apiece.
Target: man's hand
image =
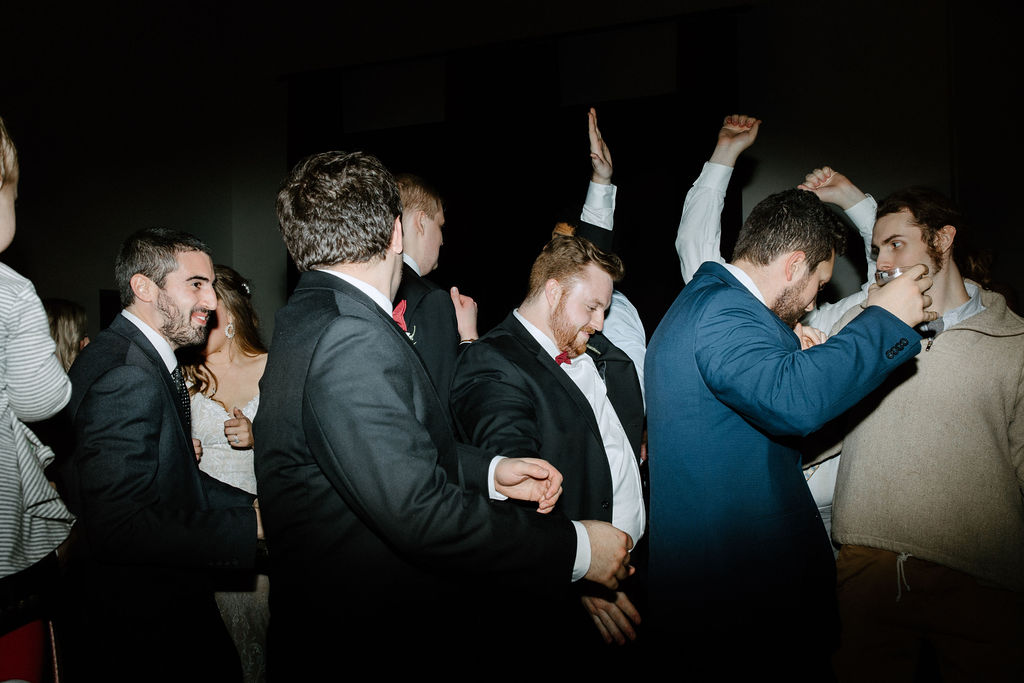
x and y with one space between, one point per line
529 479
737 133
615 621
609 554
197 446
832 187
809 336
465 315
238 430
600 156
904 296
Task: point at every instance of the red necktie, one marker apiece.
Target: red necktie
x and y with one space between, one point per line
399 315
563 357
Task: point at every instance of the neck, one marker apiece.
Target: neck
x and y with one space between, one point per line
947 290
536 311
383 274
761 277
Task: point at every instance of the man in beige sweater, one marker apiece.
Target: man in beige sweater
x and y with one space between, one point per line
928 501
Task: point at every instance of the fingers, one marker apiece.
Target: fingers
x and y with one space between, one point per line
740 121
593 130
817 178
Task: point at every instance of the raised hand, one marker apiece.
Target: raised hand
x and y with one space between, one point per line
465 314
600 156
738 132
832 187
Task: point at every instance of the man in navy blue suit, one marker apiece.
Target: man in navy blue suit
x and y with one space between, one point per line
740 565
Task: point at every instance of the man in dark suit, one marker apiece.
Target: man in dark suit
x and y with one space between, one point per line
739 558
151 526
380 529
439 323
545 383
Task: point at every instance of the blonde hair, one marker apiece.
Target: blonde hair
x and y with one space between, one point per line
8 154
67 327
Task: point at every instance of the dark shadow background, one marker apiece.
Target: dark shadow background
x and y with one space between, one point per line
129 115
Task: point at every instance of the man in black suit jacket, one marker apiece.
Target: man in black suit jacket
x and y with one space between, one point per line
380 529
546 384
151 526
437 322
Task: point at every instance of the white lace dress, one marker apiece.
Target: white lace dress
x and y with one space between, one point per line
245 612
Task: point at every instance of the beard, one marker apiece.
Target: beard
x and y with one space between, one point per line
788 305
567 334
178 328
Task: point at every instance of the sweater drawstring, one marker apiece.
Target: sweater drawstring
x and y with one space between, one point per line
901 575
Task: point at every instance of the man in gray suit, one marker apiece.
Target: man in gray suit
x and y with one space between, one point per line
152 528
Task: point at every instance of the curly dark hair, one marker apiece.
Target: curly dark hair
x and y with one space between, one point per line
338 207
792 220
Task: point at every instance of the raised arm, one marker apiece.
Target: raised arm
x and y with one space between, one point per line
699 236
599 207
835 188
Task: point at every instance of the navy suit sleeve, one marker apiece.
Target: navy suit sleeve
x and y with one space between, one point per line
140 503
758 369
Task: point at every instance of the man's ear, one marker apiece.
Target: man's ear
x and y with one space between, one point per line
396 236
796 265
944 238
553 292
143 288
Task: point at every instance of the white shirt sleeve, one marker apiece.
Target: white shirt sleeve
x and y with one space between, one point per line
599 207
699 237
825 316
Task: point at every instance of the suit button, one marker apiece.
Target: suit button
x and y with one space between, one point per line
605 505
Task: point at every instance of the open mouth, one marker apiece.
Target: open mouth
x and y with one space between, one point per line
201 317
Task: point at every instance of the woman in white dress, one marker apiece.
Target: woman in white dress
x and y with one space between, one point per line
224 382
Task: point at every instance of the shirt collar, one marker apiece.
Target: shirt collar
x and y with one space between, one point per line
159 342
411 262
972 306
369 290
545 341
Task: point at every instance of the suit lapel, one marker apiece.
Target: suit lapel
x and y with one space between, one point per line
127 329
552 369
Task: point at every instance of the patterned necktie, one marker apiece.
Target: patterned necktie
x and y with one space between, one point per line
398 315
184 405
563 357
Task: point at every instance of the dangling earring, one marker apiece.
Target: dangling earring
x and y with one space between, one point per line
229 331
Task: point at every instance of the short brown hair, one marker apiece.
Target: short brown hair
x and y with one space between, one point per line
338 207
565 257
418 195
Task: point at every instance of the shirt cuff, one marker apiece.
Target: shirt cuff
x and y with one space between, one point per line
862 214
491 489
715 176
600 196
582 565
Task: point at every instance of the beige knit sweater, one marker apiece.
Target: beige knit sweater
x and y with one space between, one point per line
934 463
